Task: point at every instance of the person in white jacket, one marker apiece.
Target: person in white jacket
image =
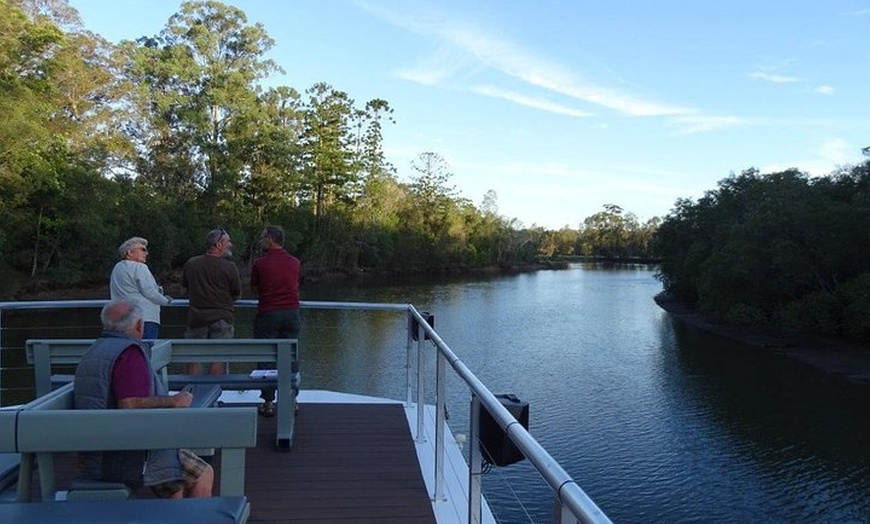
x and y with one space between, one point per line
131 279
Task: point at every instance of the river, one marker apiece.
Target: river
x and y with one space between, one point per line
655 420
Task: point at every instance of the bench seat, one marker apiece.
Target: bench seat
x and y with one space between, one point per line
283 353
215 510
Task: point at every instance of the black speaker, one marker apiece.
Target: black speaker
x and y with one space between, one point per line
495 445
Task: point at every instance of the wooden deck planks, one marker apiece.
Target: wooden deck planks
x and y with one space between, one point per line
351 463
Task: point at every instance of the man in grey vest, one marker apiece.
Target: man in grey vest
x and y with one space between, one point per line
116 373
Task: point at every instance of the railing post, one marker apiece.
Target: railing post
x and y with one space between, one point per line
421 383
440 412
475 460
409 348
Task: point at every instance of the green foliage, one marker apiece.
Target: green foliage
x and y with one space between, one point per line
780 248
816 313
856 307
611 234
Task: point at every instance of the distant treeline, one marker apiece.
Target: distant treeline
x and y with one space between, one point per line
780 250
172 134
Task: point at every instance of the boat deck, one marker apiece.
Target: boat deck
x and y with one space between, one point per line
351 462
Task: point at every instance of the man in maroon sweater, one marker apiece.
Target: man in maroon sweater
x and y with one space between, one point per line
275 280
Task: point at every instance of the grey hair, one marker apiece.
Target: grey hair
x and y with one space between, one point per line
121 315
128 245
214 236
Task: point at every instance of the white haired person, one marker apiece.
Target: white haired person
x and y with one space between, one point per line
131 279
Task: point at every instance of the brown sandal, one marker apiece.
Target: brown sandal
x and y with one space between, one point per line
267 410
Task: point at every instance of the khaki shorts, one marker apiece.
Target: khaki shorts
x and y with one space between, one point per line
192 467
217 329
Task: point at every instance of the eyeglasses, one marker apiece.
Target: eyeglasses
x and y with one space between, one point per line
143 248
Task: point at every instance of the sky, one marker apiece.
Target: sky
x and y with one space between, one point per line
562 107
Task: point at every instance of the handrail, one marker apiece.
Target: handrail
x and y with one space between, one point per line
567 490
569 495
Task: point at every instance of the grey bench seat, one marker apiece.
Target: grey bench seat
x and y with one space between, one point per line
45 354
48 425
205 392
215 510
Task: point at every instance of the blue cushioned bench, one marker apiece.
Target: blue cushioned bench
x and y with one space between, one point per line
46 354
217 510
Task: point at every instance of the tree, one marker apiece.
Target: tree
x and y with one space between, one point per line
780 248
328 171
610 233
268 144
57 100
368 154
195 78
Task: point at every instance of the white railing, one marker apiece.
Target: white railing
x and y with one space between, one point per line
571 502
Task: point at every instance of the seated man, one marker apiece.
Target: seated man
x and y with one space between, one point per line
116 373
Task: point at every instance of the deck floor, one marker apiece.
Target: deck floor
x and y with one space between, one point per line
351 463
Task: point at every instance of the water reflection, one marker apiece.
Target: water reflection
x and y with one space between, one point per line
798 437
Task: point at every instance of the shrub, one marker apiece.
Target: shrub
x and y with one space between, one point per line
744 315
856 307
817 313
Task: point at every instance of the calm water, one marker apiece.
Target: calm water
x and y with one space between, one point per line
657 422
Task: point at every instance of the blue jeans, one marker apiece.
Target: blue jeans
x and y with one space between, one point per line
281 323
150 330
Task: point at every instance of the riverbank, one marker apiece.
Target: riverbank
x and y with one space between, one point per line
845 359
172 282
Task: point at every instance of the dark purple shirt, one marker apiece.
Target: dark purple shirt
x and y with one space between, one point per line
131 377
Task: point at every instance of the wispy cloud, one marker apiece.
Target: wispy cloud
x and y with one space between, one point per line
529 101
703 123
825 90
776 79
836 151
438 67
861 12
511 60
823 160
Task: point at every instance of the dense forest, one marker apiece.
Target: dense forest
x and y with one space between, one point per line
780 250
173 134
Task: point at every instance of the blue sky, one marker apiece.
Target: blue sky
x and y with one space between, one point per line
561 107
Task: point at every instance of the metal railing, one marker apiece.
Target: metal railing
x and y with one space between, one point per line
571 502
